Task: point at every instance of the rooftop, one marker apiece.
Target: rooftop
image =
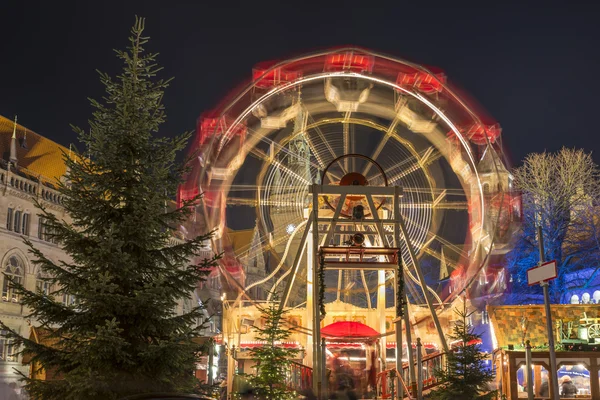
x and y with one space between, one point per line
39 156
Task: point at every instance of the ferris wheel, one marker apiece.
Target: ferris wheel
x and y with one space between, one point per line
349 117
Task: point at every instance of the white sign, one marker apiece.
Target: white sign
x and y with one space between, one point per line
544 272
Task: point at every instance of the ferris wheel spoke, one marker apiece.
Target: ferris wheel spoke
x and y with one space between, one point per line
366 287
252 202
317 155
413 163
332 176
282 167
339 284
439 202
276 148
430 237
264 244
381 144
254 188
325 142
454 192
419 165
346 137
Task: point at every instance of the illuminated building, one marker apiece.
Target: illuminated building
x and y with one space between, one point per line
29 167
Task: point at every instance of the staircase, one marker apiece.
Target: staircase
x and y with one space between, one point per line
388 380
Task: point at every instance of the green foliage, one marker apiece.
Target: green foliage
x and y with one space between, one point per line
400 297
272 358
321 281
466 376
121 336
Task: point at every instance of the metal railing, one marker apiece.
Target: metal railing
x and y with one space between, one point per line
299 377
389 380
26 182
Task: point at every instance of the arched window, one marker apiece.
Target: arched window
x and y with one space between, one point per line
15 269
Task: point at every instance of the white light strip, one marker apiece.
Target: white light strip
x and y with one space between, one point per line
278 89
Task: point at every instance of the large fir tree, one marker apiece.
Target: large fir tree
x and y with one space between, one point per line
121 335
272 358
466 375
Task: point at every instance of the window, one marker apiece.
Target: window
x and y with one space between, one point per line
25 227
14 269
17 221
42 228
68 299
45 231
574 381
9 218
502 279
486 188
7 348
186 306
43 285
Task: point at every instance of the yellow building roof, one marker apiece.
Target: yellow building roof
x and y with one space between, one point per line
41 156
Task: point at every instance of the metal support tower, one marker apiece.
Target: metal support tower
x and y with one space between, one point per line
354 258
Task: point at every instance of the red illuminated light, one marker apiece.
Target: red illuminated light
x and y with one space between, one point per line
422 81
186 195
265 77
209 126
349 62
478 132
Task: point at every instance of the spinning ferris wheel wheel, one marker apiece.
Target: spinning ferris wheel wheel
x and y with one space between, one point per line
350 118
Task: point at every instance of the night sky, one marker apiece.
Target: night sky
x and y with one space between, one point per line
534 66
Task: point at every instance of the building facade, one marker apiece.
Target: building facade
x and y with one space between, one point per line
30 166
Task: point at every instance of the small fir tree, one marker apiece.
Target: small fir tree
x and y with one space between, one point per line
272 358
121 336
466 376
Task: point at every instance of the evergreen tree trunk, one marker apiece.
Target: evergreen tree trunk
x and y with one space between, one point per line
121 336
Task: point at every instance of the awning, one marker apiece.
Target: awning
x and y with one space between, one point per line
388 345
349 329
287 345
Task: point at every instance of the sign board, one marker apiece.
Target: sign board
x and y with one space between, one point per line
542 273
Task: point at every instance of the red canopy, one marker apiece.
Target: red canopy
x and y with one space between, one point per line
349 329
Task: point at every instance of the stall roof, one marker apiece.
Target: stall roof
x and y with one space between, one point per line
349 329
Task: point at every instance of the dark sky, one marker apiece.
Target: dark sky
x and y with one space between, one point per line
534 66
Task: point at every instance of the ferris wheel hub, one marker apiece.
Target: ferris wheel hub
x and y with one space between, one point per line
355 179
